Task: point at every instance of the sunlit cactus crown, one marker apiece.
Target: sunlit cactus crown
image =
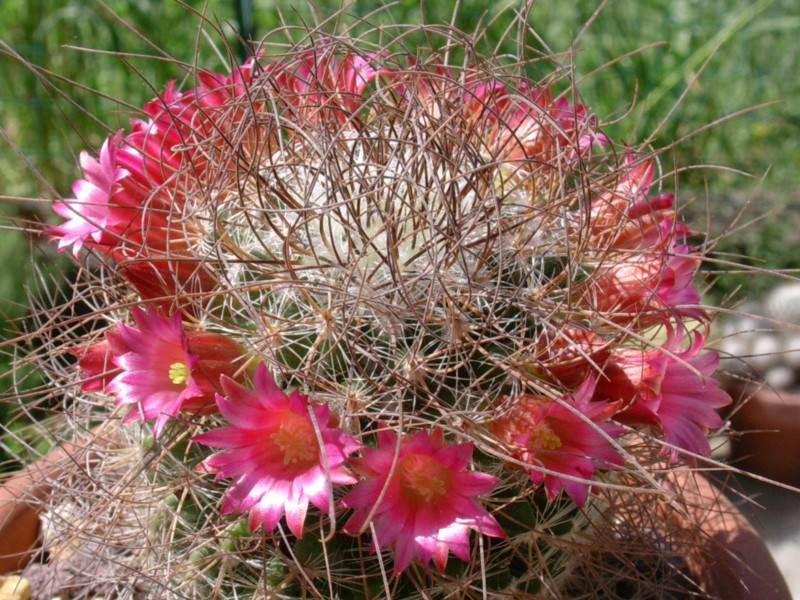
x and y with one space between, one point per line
418 308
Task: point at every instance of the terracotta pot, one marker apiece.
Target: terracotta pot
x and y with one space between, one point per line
769 423
21 498
735 564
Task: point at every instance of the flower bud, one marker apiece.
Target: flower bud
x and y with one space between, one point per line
168 283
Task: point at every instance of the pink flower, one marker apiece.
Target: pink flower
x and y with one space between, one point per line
156 368
625 218
421 497
320 87
89 215
273 451
121 203
568 354
163 369
551 434
96 361
670 388
127 198
526 126
522 126
646 288
579 128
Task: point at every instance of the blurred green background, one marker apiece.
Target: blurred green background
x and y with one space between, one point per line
636 59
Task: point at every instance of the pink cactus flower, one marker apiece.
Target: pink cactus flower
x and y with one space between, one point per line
670 388
646 288
567 436
522 126
272 450
568 354
625 218
319 87
156 368
128 195
96 362
89 215
164 370
421 498
527 123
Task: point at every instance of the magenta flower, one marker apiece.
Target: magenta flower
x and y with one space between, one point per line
168 283
89 215
567 355
647 288
543 432
527 123
670 388
156 368
318 86
421 498
272 450
128 196
625 218
96 361
164 369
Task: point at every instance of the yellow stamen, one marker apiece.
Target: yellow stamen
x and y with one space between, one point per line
297 440
423 479
543 438
178 373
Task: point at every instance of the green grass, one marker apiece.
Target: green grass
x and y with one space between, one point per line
752 60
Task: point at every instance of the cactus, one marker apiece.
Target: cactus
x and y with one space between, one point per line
419 309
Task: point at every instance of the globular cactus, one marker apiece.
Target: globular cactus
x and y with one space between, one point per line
402 308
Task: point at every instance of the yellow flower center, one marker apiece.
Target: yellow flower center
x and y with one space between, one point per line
543 438
423 479
178 373
297 441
